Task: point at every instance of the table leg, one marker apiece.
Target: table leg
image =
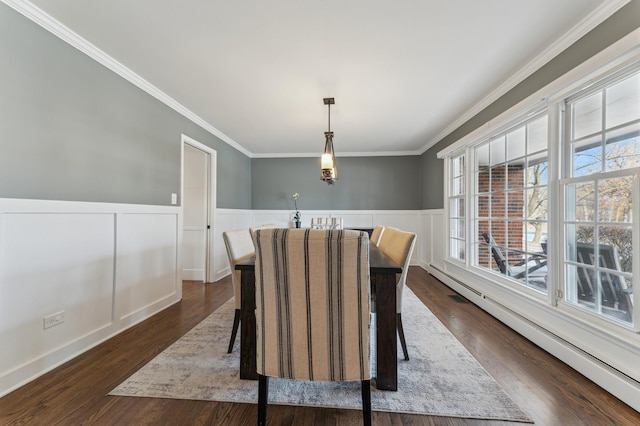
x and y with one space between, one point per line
387 342
248 325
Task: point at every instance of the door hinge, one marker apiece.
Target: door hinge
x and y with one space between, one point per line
559 294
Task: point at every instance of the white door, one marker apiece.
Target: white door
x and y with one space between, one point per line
195 205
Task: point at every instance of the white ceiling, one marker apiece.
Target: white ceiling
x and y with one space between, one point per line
403 73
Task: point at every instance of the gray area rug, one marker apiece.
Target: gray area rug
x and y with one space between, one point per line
441 379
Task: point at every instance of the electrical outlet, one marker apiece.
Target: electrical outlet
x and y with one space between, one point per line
174 198
53 319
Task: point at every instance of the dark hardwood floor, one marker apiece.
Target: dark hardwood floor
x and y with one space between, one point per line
75 393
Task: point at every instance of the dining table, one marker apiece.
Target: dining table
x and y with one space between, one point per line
382 273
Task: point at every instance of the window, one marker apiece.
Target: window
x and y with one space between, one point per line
511 180
603 145
545 198
457 208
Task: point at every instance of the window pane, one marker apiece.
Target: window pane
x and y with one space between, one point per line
516 236
515 204
482 157
456 207
537 237
453 207
483 206
570 238
587 116
618 239
623 101
482 180
585 233
584 201
458 186
537 135
582 284
453 231
515 175
615 200
497 151
587 156
458 166
498 178
622 148
457 249
537 203
538 170
516 144
498 205
484 257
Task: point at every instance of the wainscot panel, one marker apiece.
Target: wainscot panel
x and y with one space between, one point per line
73 274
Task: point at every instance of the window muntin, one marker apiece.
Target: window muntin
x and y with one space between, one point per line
457 210
511 203
604 150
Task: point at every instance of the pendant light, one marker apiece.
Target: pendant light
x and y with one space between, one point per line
329 172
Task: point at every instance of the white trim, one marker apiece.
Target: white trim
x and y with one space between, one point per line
517 114
341 154
574 34
61 31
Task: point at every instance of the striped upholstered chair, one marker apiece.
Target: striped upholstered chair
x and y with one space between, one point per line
312 308
239 247
398 245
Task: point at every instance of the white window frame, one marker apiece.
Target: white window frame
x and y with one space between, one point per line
474 240
608 62
606 79
451 196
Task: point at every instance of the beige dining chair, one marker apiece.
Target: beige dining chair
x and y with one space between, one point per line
312 309
376 234
263 226
239 247
398 245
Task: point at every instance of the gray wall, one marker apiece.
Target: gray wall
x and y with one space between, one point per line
74 130
365 183
617 26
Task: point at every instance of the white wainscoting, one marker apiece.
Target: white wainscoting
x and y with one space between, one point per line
106 266
228 219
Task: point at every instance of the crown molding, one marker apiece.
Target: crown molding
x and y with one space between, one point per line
55 27
594 19
338 154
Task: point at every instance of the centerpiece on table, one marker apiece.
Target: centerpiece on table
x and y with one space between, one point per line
296 217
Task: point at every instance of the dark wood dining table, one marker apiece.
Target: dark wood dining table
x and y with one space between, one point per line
382 271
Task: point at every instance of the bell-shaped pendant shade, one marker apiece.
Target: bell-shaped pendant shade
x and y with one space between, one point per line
329 171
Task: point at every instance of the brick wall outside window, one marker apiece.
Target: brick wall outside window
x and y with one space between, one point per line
501 211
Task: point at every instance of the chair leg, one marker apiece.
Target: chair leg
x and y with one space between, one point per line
236 323
366 402
263 392
401 335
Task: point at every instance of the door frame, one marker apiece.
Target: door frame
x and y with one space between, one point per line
211 207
